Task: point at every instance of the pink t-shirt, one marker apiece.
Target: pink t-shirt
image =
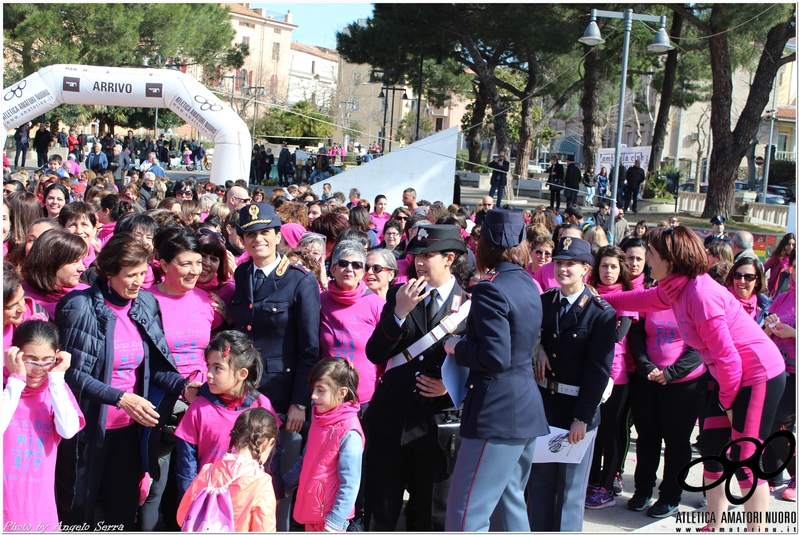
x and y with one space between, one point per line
784 306
90 257
344 331
207 425
188 320
149 278
30 445
128 356
243 258
380 222
107 232
664 345
545 276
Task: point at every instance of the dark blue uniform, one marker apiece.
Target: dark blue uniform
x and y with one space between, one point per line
282 320
580 349
502 410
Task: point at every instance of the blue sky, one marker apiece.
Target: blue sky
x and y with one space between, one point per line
318 22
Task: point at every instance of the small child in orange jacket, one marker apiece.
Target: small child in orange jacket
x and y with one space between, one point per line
252 440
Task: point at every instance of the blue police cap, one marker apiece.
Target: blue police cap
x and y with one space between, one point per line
503 227
574 249
718 220
257 216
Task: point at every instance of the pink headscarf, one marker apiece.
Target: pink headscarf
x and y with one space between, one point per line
292 233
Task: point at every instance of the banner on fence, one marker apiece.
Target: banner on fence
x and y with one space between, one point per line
628 157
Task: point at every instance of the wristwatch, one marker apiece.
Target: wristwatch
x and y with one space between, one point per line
301 407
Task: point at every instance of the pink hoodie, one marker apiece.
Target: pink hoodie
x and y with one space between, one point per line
708 316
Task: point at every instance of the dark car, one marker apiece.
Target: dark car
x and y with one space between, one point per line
784 192
689 187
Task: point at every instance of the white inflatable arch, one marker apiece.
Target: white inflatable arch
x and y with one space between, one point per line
139 88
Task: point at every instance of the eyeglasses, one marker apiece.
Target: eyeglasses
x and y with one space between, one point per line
542 253
42 365
184 192
748 277
208 232
239 199
391 235
377 268
343 264
401 218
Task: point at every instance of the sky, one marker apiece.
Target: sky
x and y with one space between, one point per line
318 22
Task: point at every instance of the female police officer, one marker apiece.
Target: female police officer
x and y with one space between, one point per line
411 401
502 410
577 334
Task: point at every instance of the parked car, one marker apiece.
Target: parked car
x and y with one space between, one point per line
689 187
772 198
742 186
784 192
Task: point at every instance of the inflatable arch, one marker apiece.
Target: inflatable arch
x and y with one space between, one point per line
139 88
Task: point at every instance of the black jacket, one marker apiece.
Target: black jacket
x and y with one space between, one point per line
635 177
573 176
396 411
41 141
500 174
555 177
85 325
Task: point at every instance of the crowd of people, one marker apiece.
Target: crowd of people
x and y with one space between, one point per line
179 339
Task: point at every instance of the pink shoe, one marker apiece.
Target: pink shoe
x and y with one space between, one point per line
144 487
789 494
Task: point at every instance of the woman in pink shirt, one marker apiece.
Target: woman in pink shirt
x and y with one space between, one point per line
380 216
778 262
53 268
16 306
189 315
747 282
748 368
78 218
217 273
781 326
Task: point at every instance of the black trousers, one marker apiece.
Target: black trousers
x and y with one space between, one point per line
785 418
664 414
390 468
608 450
554 197
41 158
111 473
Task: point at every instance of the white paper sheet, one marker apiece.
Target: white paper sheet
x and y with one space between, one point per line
454 377
555 448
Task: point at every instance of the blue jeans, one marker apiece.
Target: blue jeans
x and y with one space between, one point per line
589 199
500 190
317 175
24 150
631 194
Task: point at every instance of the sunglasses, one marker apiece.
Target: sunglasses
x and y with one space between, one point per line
401 218
42 365
208 232
542 253
344 264
184 192
239 199
748 277
377 268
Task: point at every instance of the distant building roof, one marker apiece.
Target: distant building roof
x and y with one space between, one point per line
786 112
318 51
241 10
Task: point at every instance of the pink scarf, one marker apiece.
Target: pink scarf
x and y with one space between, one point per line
638 282
346 297
612 289
345 411
672 286
210 286
750 304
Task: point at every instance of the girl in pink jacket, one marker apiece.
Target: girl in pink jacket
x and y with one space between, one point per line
330 479
747 366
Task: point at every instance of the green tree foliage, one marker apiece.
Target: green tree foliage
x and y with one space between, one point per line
303 121
406 131
116 35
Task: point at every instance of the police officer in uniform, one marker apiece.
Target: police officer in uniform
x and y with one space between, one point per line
718 231
502 411
578 333
277 304
410 400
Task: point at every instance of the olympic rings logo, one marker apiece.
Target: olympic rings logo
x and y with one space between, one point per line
16 92
206 104
730 466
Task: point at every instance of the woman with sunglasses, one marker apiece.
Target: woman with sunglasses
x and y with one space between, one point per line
190 211
53 268
380 271
541 248
778 261
189 315
402 215
217 268
746 365
747 282
184 190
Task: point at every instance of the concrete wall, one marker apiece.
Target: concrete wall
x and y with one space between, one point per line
428 166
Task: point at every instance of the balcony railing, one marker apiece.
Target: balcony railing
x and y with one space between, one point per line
785 155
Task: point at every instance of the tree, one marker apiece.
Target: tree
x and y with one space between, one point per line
773 28
407 127
303 121
114 35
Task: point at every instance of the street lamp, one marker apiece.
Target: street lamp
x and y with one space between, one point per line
233 79
255 103
387 76
349 106
382 95
660 43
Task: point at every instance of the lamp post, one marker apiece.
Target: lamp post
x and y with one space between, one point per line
387 76
349 106
773 113
233 79
383 95
660 43
253 91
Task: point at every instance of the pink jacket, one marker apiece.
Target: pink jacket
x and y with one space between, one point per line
737 352
319 482
784 306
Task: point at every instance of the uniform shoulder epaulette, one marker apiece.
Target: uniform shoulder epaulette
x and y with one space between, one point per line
300 267
602 303
553 289
489 277
282 266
